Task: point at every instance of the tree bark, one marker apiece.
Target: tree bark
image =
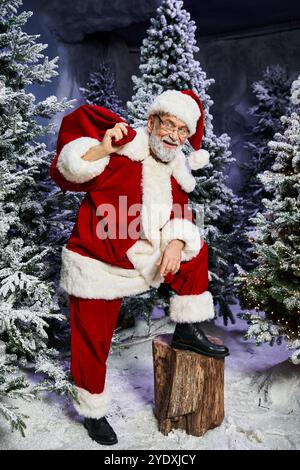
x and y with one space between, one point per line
189 388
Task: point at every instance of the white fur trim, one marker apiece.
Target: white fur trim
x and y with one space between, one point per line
198 159
192 308
182 106
144 256
157 199
92 405
73 167
89 278
182 173
185 230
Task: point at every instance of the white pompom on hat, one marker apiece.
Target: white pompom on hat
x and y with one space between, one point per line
186 106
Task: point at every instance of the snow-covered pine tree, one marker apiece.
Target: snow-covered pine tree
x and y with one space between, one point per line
273 287
295 95
27 297
167 62
273 101
101 90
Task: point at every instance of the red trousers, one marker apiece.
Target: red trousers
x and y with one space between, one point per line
93 321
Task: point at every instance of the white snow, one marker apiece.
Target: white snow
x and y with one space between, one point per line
262 403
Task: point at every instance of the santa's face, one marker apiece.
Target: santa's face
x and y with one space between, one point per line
167 136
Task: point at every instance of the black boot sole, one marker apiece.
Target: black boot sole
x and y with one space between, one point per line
194 349
104 443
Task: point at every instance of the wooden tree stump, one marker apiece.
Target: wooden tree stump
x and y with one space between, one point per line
189 388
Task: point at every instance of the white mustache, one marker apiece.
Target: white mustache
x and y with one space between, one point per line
170 142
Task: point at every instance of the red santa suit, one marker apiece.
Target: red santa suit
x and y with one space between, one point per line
108 258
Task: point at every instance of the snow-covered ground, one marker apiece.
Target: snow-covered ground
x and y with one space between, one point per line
262 403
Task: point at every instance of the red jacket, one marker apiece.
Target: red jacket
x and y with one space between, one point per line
127 216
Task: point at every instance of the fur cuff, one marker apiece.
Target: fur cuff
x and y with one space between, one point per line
73 167
92 405
198 159
186 231
192 308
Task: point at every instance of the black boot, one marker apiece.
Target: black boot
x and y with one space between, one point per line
100 431
190 336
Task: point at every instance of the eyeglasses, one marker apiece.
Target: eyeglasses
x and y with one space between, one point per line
169 127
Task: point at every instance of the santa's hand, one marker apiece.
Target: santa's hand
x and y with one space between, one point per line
170 260
117 132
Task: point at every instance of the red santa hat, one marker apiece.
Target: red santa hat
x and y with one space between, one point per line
186 106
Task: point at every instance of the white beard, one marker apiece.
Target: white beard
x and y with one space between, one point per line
160 151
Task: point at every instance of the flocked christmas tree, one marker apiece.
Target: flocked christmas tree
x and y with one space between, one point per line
273 287
101 90
27 296
168 62
273 100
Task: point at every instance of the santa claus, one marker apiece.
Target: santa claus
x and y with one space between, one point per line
134 230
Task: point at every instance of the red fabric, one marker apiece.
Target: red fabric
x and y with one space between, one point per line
91 121
196 139
112 184
192 277
181 208
84 239
92 326
93 322
86 121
